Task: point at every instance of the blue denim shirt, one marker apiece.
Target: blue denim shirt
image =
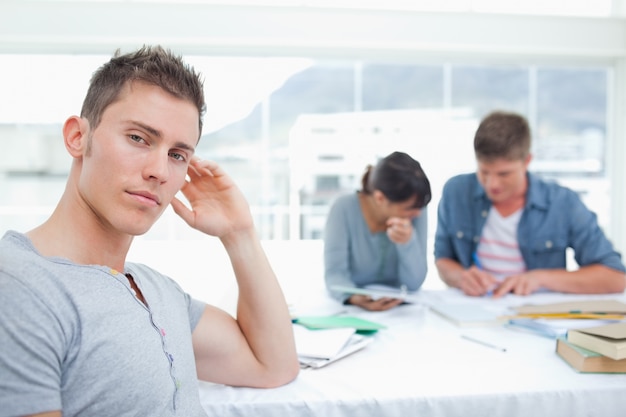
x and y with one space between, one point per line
554 219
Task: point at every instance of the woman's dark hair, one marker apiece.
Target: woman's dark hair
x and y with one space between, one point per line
400 178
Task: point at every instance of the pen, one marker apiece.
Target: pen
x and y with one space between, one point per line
489 293
480 342
477 261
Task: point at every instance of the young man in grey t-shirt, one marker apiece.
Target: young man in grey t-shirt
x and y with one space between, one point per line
83 332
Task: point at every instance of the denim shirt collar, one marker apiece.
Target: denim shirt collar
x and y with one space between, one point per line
534 197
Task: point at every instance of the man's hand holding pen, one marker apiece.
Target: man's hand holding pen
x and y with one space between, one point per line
475 281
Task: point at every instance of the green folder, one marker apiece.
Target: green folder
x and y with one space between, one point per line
329 322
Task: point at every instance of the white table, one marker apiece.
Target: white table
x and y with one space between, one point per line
420 365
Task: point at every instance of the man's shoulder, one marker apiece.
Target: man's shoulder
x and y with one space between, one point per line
462 183
12 239
15 253
462 179
550 191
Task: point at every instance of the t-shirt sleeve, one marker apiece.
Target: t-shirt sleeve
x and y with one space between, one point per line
195 308
32 345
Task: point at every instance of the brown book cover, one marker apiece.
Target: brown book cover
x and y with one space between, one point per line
608 340
584 360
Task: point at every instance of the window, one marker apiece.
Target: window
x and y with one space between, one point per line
297 132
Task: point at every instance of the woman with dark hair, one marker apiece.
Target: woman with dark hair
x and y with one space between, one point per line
378 234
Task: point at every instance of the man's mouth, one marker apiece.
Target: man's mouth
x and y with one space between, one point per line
146 197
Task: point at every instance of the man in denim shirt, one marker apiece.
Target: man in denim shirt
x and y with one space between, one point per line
504 230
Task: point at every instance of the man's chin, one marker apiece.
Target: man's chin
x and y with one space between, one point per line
495 197
139 233
141 224
138 229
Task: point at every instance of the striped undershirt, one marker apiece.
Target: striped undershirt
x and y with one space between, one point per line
498 250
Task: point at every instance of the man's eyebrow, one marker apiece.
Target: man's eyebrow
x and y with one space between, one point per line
157 133
147 128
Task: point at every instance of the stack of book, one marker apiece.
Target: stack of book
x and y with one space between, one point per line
555 319
595 349
590 334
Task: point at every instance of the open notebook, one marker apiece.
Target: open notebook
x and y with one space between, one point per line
378 291
318 348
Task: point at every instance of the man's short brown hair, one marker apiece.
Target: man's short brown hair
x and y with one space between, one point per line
502 135
153 65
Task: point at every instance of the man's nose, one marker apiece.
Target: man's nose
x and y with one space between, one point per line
157 166
491 181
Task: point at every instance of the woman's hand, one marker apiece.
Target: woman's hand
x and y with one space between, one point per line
399 230
379 304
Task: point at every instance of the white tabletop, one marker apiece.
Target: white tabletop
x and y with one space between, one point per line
420 365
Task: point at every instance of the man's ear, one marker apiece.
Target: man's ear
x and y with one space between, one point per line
76 136
527 160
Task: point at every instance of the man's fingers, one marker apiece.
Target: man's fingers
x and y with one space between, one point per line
183 211
199 167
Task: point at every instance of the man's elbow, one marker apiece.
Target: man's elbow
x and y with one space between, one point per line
286 373
613 280
619 285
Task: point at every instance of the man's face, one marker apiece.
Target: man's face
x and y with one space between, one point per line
503 179
138 158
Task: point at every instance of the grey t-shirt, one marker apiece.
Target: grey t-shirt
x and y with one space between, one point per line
75 338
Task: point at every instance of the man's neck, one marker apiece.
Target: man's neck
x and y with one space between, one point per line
78 237
506 208
513 204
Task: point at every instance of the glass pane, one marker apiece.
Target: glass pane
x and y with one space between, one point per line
326 88
570 135
388 87
338 116
34 105
485 88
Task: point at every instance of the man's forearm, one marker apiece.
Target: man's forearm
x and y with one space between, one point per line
591 279
449 271
262 312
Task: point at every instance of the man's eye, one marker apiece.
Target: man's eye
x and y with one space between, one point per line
177 156
136 138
